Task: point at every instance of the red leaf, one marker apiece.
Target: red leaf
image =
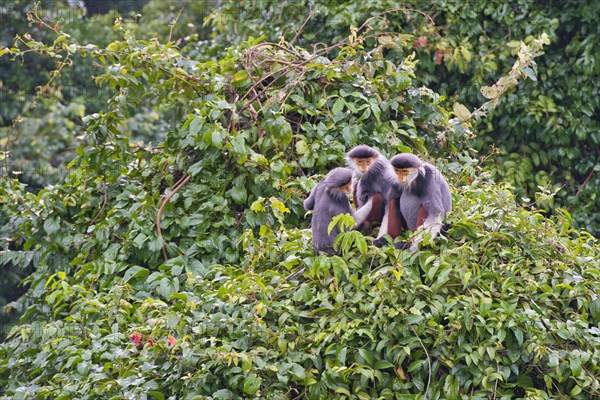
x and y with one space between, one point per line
150 343
438 57
136 338
420 42
172 341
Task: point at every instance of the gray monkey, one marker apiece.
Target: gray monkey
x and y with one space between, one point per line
419 201
328 199
375 178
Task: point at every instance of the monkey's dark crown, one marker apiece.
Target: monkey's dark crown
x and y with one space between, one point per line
338 177
406 161
362 151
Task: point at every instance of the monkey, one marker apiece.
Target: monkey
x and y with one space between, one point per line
328 199
374 179
419 201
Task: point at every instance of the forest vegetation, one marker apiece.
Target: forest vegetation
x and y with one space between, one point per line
156 155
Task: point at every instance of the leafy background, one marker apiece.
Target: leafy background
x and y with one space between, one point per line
152 197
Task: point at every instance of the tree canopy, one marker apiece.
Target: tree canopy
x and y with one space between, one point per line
165 239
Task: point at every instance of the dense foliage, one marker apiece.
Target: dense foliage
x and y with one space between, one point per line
166 265
548 134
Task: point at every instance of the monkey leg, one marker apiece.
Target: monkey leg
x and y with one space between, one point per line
421 216
445 229
396 223
376 214
426 223
393 222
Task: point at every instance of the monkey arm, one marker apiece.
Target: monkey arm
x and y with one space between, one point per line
364 197
431 225
395 191
362 213
383 229
309 203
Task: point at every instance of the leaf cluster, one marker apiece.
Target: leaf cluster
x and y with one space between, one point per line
172 270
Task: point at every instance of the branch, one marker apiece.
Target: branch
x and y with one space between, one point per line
294 274
310 15
104 201
584 183
428 361
178 186
176 20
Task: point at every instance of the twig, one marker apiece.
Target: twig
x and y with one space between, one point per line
496 384
264 89
104 201
176 19
428 362
295 274
584 183
178 186
310 15
317 54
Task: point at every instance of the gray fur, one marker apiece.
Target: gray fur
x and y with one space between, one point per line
428 188
328 200
377 179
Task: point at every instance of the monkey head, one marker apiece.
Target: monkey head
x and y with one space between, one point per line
339 178
407 168
361 157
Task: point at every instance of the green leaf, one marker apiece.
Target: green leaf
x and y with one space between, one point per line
575 365
196 125
252 384
595 310
451 387
338 106
223 394
302 147
238 145
217 137
168 286
576 390
241 79
239 194
298 372
367 356
383 364
461 111
530 74
135 272
51 225
157 395
280 129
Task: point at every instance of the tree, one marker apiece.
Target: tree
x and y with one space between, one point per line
169 269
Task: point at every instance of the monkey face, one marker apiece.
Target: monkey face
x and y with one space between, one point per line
347 188
363 164
405 175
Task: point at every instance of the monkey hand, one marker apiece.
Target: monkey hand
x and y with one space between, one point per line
364 197
403 245
380 242
395 191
